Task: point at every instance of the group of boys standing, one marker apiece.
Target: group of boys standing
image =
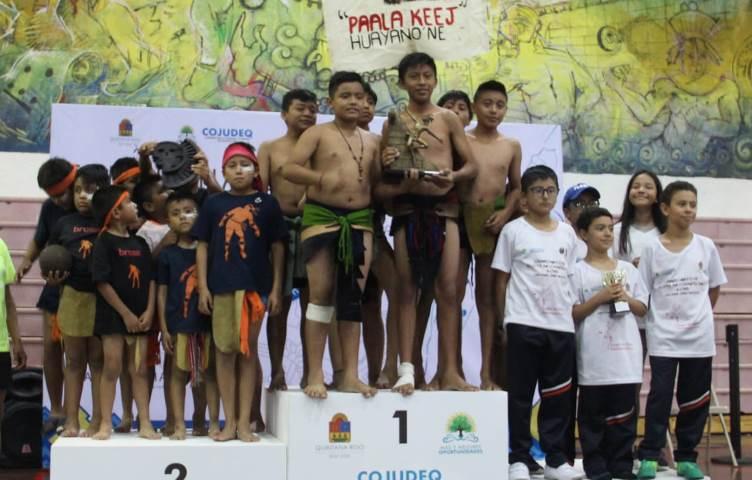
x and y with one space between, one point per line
233 256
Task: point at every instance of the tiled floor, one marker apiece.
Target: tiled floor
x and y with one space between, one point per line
716 472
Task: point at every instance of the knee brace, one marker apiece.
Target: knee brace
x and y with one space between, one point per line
320 313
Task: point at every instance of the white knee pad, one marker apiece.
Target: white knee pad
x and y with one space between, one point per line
320 313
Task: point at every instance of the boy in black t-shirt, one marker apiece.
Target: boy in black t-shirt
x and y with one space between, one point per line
236 233
186 333
77 232
126 293
55 177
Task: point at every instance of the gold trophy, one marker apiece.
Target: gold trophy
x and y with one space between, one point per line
616 277
404 134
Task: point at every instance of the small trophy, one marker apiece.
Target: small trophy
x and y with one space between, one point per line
617 277
405 136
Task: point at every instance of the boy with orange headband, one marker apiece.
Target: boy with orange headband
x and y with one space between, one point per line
77 232
240 263
126 173
126 296
55 177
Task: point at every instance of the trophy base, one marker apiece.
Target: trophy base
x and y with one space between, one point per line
619 308
398 174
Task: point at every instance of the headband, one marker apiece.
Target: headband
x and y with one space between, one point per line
126 175
239 150
60 187
108 217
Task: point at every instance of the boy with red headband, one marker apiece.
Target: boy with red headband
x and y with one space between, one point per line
338 163
126 295
126 173
77 233
55 177
240 263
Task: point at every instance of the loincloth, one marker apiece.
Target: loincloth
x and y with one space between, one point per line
77 312
193 353
295 271
232 316
481 241
424 220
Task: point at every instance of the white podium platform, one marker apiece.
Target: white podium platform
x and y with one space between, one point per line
428 436
128 457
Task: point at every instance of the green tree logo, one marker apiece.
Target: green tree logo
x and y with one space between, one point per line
461 424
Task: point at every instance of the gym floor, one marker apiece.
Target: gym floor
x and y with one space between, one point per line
716 472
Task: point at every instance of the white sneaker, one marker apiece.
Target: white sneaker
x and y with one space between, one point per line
563 472
519 471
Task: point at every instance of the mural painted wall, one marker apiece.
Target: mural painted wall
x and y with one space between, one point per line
659 83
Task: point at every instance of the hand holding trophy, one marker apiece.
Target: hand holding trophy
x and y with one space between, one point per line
612 279
404 136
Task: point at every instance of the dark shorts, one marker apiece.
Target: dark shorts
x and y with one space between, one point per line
5 370
49 299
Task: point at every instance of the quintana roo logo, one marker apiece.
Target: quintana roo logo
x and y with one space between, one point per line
234 223
339 429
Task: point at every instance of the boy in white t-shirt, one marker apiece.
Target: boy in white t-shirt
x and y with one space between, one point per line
535 256
609 349
683 273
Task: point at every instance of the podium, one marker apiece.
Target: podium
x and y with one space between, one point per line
427 436
128 457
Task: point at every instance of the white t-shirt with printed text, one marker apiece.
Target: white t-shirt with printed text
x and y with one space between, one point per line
638 240
540 263
609 349
680 320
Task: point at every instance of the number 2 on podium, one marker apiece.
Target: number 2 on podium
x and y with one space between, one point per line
402 416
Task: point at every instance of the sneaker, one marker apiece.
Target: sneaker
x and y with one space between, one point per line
519 471
648 469
689 470
564 471
535 469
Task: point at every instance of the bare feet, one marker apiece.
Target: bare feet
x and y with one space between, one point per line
433 385
227 434
92 429
304 382
336 380
214 430
387 378
167 429
455 383
278 382
258 425
125 425
317 391
420 378
406 382
70 429
104 433
486 384
245 434
354 385
147 431
179 433
199 430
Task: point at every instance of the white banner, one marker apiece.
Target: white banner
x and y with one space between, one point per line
101 134
366 35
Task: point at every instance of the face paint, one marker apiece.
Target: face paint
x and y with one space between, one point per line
188 215
248 169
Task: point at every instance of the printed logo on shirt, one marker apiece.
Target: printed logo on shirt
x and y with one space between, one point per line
134 275
84 248
234 223
190 279
77 229
124 252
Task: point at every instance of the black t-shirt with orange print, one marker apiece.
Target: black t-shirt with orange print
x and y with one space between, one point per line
77 234
126 264
240 230
176 268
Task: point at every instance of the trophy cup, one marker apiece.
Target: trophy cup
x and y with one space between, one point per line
617 277
405 136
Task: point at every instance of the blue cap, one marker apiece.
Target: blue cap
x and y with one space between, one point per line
574 192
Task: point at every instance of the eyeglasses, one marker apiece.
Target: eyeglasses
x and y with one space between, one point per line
582 205
540 191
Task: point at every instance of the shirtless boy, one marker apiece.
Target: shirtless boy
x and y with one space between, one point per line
299 109
488 204
428 209
337 227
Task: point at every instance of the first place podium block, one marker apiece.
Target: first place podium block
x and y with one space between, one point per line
128 457
427 436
